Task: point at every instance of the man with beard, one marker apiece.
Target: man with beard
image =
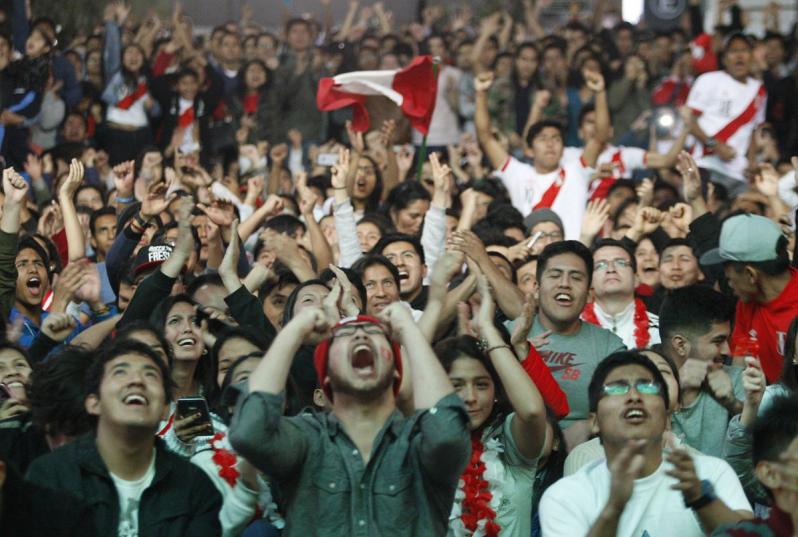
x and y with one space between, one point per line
570 347
362 468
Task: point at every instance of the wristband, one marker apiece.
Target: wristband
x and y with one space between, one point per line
130 199
496 347
140 220
707 496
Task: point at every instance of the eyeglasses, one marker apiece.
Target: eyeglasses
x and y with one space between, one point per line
351 328
554 235
622 387
616 263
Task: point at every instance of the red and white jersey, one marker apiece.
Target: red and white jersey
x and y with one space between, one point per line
729 111
564 190
626 160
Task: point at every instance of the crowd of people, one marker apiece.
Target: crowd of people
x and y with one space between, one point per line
571 308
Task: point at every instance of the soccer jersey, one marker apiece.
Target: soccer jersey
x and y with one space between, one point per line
564 191
625 159
728 111
769 323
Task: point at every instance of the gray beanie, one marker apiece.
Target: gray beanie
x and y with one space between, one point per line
542 215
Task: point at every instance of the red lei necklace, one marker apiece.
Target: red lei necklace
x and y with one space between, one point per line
476 504
225 460
641 333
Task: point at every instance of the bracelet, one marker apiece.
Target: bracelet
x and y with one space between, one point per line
140 220
504 346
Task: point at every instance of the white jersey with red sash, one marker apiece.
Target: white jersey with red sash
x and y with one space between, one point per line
625 161
563 190
729 111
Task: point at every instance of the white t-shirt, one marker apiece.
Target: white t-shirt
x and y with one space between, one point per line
572 504
444 127
721 99
526 188
129 493
628 159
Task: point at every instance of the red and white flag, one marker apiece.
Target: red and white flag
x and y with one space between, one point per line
413 89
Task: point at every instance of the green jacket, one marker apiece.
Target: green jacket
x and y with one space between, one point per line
181 501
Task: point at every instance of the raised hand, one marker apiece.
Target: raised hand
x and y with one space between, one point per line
767 180
347 302
155 201
596 215
355 139
123 179
340 170
483 81
681 215
279 153
220 212
15 187
57 326
522 326
624 469
691 178
487 308
228 268
593 80
647 220
683 471
754 381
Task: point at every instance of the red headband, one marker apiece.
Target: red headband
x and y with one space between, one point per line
321 356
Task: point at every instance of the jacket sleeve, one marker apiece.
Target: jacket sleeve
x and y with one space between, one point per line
346 228
112 51
737 452
248 311
42 346
119 255
148 294
433 237
8 272
443 444
206 504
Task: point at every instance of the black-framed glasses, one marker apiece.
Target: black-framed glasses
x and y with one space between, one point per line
350 329
619 263
622 387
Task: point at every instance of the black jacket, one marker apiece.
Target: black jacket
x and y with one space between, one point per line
181 501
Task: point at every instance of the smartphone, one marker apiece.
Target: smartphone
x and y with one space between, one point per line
327 159
188 406
534 239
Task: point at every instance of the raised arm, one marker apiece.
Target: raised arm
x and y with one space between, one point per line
594 146
16 192
74 233
307 203
496 153
668 160
528 426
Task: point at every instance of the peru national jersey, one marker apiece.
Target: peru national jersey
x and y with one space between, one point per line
729 111
564 190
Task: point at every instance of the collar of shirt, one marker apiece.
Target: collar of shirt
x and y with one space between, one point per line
625 316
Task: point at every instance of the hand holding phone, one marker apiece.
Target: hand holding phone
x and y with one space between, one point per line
192 418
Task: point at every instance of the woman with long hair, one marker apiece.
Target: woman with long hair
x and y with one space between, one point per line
508 429
253 107
127 95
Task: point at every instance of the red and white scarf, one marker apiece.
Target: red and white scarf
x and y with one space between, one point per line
641 334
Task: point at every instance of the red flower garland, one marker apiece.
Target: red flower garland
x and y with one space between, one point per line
641 333
225 460
476 504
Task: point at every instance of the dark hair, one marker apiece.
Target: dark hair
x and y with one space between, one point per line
622 183
679 241
290 302
327 275
537 128
211 278
391 238
284 277
380 221
373 201
96 215
285 223
657 349
29 243
96 371
56 392
564 247
204 374
773 267
361 265
297 20
527 45
227 335
692 310
489 187
595 390
453 348
404 194
586 109
606 243
242 73
140 325
788 373
775 429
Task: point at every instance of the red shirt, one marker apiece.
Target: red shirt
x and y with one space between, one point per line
769 323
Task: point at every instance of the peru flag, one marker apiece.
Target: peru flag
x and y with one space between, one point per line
413 89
